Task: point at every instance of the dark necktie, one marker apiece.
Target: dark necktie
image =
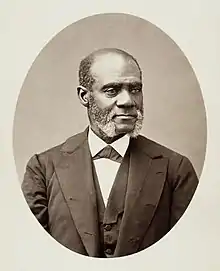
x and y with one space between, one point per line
110 153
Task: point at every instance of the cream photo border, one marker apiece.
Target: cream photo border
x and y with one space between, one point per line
26 27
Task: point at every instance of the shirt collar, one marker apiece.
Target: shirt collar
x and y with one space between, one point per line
96 144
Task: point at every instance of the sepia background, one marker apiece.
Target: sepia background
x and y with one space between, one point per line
27 26
48 110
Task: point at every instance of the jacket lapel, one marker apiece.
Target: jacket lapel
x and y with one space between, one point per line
74 172
147 174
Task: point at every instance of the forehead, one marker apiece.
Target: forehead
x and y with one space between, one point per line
112 67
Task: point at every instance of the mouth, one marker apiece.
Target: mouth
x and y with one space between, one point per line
126 116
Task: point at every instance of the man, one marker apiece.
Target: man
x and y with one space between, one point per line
108 191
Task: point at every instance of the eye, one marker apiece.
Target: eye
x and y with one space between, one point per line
111 91
135 90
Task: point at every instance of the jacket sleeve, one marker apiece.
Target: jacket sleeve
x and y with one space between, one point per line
34 190
185 184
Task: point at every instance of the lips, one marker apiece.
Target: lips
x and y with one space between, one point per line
126 116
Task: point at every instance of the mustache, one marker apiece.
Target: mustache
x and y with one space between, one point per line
136 111
109 114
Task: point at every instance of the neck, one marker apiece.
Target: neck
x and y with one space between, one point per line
104 137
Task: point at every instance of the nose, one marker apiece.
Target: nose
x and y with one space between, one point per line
124 99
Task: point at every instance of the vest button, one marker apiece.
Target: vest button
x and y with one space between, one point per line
107 227
108 251
107 238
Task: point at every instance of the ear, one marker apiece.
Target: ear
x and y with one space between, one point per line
83 94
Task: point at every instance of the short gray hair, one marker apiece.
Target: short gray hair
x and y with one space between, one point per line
85 78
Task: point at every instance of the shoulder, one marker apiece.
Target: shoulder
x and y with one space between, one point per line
69 145
48 157
177 163
155 149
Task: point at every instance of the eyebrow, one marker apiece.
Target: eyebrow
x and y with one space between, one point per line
130 84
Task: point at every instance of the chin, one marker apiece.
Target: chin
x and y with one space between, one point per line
124 129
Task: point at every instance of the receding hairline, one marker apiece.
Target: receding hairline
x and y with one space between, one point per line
85 77
105 51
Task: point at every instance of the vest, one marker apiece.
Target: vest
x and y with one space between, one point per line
110 217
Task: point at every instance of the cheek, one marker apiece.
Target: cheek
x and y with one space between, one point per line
139 101
103 102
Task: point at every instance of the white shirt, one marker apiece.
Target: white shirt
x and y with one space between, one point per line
106 169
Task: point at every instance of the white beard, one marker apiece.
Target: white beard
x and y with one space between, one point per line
103 120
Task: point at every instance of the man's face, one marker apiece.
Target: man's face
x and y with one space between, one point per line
116 99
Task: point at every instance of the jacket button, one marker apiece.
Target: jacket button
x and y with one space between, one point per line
134 240
107 227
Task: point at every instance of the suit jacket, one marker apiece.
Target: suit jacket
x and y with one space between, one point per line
60 192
